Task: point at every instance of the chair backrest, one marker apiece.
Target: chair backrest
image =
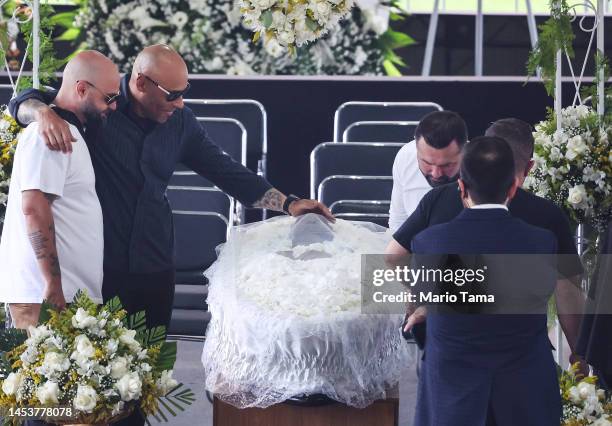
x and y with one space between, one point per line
346 187
201 199
360 207
6 93
377 218
197 235
380 131
229 134
351 158
185 177
250 113
350 112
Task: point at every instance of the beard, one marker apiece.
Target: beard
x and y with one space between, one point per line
94 119
433 182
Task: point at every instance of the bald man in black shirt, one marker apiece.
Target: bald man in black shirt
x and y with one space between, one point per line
442 204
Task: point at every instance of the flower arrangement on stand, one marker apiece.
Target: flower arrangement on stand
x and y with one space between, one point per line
93 361
287 24
212 38
583 403
9 130
574 165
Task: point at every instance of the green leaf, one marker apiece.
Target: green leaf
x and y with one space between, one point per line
391 69
153 336
137 321
113 305
167 356
63 19
45 315
179 398
69 35
396 39
266 18
312 24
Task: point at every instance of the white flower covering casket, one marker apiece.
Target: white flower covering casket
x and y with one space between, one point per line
286 319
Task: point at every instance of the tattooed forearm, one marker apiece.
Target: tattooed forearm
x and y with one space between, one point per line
39 244
40 226
272 200
27 111
55 266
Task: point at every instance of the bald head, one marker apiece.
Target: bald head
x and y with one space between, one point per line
158 82
159 61
89 80
89 65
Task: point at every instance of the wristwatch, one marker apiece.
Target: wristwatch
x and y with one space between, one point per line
290 199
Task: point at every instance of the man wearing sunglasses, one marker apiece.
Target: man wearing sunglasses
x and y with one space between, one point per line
134 157
52 244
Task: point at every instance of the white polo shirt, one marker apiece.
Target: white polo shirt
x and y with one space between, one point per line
409 186
76 212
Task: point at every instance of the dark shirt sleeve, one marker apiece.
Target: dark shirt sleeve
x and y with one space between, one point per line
201 155
569 263
45 97
416 222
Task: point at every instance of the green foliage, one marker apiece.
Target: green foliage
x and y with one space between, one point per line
555 34
49 64
176 399
167 356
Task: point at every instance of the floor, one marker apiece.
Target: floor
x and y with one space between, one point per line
188 370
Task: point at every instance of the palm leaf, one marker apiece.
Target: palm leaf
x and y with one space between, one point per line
152 336
113 305
137 321
174 401
167 356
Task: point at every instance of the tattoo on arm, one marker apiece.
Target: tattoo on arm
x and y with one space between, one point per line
55 266
39 244
26 113
272 200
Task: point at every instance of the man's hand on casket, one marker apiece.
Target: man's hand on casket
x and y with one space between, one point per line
300 207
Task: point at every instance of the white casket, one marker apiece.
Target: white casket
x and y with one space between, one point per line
286 319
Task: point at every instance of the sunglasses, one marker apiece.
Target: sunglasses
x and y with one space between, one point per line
171 95
109 98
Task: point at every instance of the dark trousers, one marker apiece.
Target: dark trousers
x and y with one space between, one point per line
152 293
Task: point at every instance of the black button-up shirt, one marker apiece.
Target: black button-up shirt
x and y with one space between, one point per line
133 165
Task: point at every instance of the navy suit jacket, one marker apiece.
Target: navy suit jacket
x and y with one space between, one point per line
488 231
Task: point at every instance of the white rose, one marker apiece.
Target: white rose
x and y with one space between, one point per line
575 147
585 390
48 393
129 387
273 48
85 399
11 384
577 196
165 382
119 367
323 8
82 319
111 346
555 153
83 346
127 338
602 421
286 37
54 362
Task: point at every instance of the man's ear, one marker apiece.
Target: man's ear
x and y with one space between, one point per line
530 165
464 194
81 88
140 83
513 188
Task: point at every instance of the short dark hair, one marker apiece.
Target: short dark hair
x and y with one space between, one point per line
440 128
519 136
487 169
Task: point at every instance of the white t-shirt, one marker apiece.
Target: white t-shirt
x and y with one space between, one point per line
76 212
409 186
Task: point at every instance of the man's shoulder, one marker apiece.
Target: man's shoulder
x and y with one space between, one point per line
538 206
406 152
